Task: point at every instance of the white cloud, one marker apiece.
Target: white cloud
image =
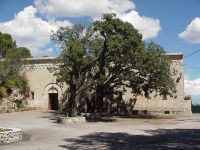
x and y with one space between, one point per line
31 31
76 8
192 87
192 32
148 27
58 23
49 50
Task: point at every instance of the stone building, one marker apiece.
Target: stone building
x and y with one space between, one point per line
46 94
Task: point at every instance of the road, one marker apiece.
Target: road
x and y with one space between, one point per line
41 132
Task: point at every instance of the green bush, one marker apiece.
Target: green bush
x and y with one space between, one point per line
2 92
14 81
10 76
19 104
17 82
1 102
4 130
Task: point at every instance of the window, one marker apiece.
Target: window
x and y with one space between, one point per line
135 112
164 97
32 95
149 97
166 112
145 111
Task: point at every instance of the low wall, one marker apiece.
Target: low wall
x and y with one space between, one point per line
19 109
13 135
160 113
71 120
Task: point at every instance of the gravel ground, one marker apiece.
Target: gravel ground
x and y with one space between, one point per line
41 132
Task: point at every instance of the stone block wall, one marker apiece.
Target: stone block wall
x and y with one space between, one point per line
13 135
171 105
39 78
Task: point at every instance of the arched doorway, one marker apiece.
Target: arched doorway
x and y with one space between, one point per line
52 95
53 99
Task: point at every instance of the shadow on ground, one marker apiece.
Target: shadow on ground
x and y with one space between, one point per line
162 139
51 115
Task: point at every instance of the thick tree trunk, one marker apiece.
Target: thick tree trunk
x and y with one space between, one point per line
72 108
72 102
99 99
101 73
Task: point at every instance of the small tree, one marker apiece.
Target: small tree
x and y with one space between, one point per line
6 43
23 52
10 77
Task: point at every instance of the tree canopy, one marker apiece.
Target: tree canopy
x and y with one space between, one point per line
8 46
23 52
104 60
6 43
10 77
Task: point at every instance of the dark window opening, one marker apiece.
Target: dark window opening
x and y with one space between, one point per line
166 112
148 97
32 95
135 112
144 112
1 55
164 97
9 91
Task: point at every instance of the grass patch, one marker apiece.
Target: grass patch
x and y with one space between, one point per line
4 130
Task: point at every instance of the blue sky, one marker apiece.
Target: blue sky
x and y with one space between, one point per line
174 24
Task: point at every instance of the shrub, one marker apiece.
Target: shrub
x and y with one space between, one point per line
19 104
4 130
2 92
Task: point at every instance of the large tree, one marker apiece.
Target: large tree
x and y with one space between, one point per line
76 55
107 58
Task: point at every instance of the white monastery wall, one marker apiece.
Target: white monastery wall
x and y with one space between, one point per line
156 104
42 82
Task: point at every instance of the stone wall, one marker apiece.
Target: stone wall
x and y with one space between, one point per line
65 120
40 80
2 111
156 104
13 135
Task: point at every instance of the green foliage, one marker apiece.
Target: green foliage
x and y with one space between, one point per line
6 43
76 55
1 101
158 68
23 52
154 73
14 81
4 130
108 58
10 76
19 103
2 92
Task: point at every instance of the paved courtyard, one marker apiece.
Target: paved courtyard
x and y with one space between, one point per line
41 132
